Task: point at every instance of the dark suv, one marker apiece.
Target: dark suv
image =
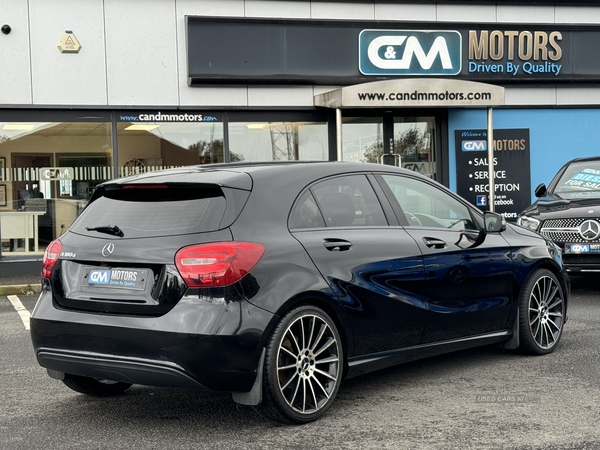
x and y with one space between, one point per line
568 213
276 281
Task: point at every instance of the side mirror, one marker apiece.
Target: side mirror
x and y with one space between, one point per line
540 190
494 222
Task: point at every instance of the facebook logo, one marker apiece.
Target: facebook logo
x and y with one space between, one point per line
481 200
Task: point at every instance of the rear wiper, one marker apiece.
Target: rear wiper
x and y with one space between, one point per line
109 229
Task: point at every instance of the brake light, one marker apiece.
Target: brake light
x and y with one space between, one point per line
217 264
145 186
50 257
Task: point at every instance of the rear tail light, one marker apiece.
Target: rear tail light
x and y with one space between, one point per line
50 257
218 264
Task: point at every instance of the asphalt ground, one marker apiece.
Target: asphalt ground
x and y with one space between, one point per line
484 398
20 276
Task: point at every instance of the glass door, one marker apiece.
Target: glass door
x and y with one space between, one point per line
414 144
362 139
390 137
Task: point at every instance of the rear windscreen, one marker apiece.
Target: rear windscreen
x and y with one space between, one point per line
153 210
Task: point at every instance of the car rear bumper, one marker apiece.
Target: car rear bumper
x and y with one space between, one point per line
197 344
109 367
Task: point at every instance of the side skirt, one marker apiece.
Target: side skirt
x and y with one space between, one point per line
358 365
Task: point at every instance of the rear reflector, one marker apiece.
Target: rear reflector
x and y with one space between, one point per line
50 257
217 264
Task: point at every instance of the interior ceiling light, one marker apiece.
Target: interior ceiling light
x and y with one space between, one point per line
257 126
18 126
142 127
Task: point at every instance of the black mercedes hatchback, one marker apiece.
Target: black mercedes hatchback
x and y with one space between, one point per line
568 213
276 281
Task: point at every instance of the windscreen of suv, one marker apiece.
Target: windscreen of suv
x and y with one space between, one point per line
580 180
153 210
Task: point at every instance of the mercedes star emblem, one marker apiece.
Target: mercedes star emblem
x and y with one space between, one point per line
109 248
589 230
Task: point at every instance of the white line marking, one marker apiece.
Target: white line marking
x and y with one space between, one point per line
20 309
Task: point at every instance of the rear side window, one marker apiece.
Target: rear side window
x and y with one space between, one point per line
154 210
347 201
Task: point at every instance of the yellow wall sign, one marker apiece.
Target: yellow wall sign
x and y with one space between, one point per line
69 43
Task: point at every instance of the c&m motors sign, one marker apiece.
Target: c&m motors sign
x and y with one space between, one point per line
410 52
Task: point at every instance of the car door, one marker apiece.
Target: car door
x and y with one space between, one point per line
469 283
371 265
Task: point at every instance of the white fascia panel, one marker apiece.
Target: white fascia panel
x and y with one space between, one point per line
276 96
141 53
577 14
15 70
534 96
466 13
342 11
412 12
573 96
203 96
278 9
525 14
67 78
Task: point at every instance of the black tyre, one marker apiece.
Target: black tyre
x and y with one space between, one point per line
93 387
541 313
303 367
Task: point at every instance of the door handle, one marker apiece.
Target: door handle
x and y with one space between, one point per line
434 243
337 245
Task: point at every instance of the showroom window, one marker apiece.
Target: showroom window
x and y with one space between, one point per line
150 141
279 136
52 160
48 170
277 140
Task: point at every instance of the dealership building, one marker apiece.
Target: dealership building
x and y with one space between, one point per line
101 89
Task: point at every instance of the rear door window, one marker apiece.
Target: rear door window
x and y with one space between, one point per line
346 201
154 210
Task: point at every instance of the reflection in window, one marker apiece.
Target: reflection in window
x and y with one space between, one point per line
48 171
278 141
414 140
362 139
427 206
149 146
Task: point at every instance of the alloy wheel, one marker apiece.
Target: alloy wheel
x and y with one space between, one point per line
546 307
308 364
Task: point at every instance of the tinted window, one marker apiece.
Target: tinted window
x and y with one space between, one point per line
306 213
425 205
155 210
348 201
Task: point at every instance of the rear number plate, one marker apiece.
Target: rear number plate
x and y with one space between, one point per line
117 278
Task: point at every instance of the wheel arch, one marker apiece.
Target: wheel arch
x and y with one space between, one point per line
330 306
